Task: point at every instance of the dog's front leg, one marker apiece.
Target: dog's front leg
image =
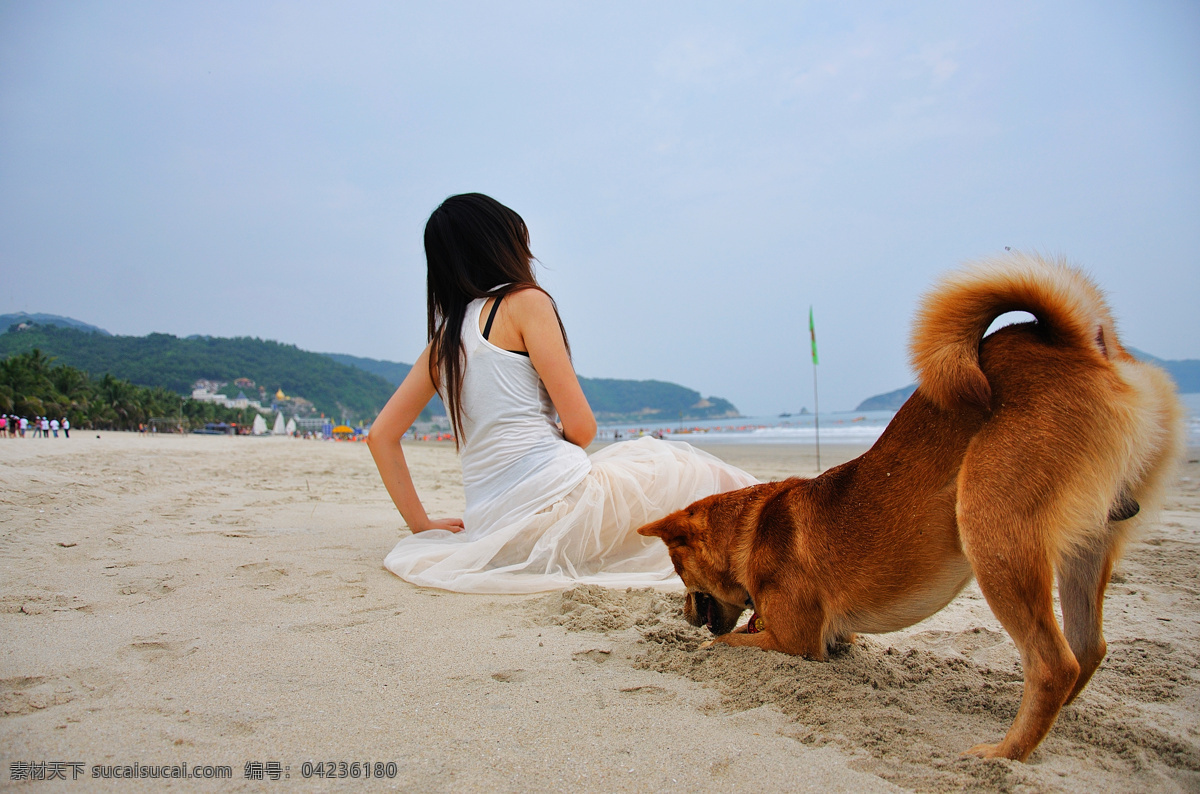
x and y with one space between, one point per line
768 641
796 632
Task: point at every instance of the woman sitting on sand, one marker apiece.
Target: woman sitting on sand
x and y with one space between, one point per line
540 513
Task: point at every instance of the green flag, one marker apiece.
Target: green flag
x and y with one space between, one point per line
812 332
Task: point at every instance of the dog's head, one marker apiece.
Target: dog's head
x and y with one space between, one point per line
700 540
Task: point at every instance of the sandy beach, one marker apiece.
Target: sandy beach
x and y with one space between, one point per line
222 602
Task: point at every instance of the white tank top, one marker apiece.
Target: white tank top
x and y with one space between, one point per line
515 460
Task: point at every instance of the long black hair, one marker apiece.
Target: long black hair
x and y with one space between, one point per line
473 245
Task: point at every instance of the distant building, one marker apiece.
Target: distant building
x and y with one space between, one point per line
204 395
242 401
208 391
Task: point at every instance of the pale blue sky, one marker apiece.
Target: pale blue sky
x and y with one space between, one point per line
694 174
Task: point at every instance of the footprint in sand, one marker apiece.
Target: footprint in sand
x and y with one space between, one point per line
595 655
262 574
153 587
510 676
157 648
41 604
26 694
648 693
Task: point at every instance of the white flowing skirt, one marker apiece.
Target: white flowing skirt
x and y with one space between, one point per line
588 536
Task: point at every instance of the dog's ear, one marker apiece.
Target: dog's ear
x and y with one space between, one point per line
674 529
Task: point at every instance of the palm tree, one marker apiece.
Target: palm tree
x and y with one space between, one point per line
120 398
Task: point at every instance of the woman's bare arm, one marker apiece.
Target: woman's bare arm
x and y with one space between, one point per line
384 442
541 336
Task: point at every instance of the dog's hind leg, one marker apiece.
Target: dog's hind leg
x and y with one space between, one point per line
1017 578
1082 580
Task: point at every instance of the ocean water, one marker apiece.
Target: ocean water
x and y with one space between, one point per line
1192 402
848 426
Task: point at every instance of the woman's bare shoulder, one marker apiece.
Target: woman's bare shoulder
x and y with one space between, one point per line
530 301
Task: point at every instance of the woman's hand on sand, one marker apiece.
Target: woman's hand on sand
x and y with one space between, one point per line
451 524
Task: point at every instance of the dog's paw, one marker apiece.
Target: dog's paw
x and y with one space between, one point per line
986 751
707 644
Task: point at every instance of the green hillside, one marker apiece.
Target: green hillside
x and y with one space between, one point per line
340 391
392 371
8 320
614 400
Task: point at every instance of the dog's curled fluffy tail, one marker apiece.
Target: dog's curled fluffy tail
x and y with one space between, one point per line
954 316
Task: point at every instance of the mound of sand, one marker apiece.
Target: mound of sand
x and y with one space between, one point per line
909 703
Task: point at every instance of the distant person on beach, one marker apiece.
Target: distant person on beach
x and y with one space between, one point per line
540 513
54 427
45 425
66 427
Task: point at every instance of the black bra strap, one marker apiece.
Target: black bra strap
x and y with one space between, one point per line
487 327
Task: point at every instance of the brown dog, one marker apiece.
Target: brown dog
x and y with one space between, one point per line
1021 455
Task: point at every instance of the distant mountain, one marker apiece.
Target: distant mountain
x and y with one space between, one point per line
637 400
9 320
887 402
394 372
339 385
1185 372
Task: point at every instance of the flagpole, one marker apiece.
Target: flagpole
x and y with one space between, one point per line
812 331
817 417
